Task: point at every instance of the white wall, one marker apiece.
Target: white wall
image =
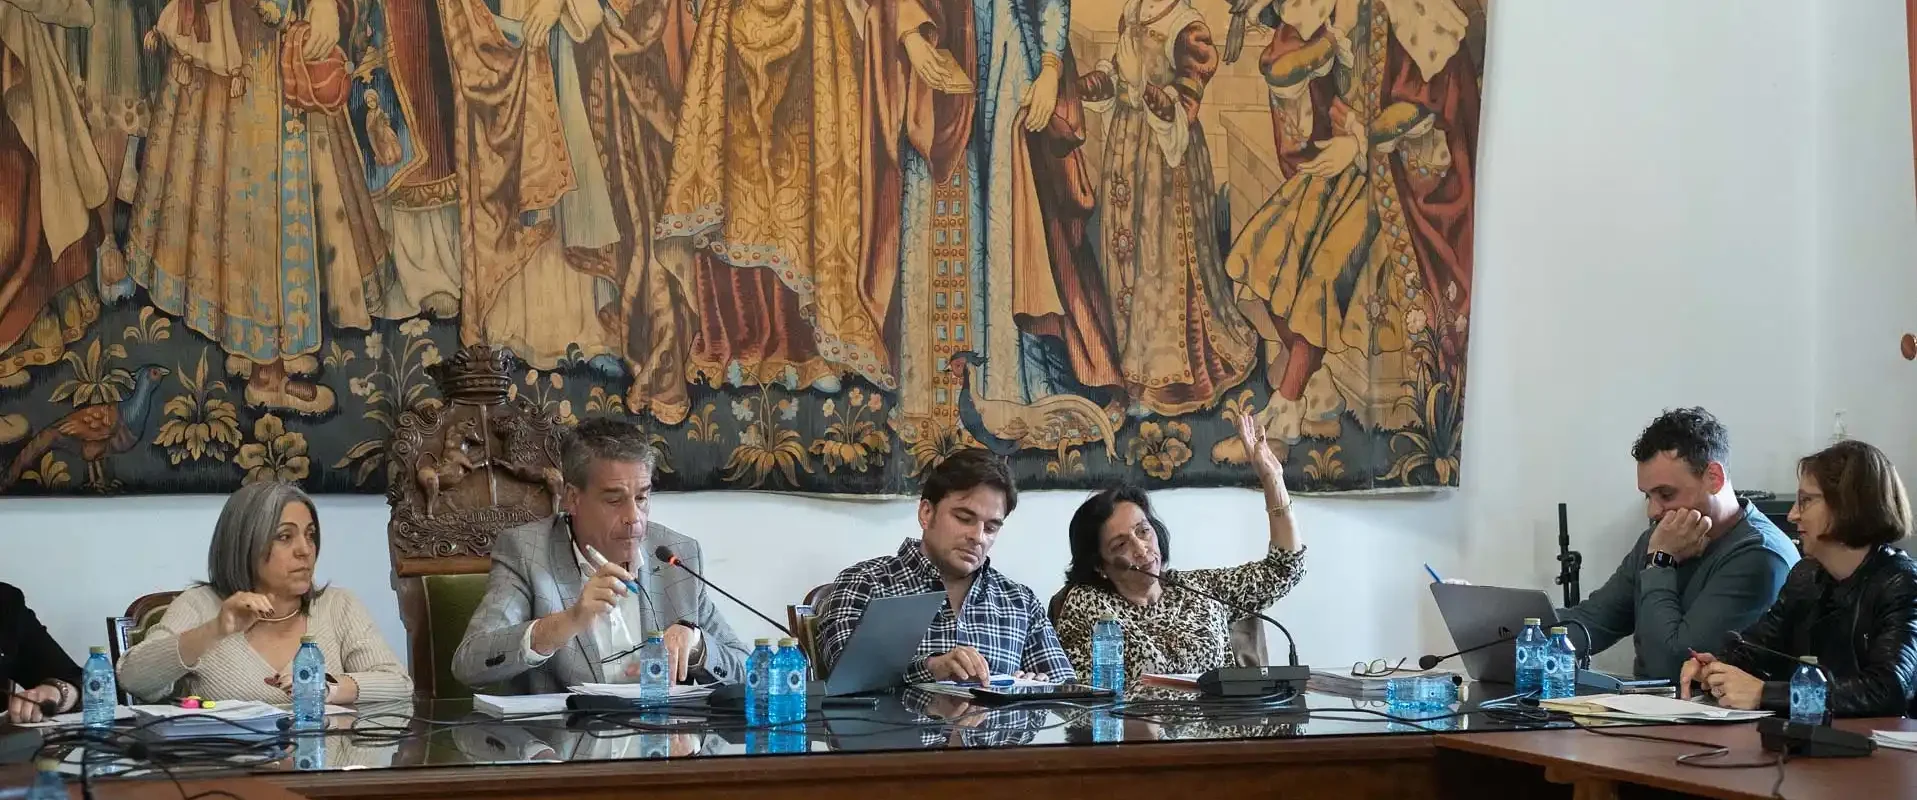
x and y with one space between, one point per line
1644 242
1865 237
1648 236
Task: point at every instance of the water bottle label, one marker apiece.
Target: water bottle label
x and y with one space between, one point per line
794 682
96 685
655 670
304 674
753 680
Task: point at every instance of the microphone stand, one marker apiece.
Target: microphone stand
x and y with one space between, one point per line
1570 562
669 557
1245 681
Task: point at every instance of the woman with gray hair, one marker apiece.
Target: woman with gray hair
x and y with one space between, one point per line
233 637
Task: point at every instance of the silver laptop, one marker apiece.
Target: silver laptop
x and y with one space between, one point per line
884 643
1479 614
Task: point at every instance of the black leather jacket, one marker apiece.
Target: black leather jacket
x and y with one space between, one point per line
1863 631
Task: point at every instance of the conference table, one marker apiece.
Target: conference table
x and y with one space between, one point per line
1164 744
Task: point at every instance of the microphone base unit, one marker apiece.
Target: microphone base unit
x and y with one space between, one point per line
731 697
1254 681
1615 684
1780 735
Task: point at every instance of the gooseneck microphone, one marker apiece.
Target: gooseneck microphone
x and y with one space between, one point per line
1428 661
1738 640
729 696
665 555
1290 643
1257 682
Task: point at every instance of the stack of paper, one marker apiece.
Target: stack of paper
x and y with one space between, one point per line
631 690
1649 708
76 718
1183 680
517 705
1895 740
228 719
958 689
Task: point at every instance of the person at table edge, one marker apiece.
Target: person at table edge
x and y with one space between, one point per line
1168 630
30 658
1710 563
989 624
1851 603
551 619
234 636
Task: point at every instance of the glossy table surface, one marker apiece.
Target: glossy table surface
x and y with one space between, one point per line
450 733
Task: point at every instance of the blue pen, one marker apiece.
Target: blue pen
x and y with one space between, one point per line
981 684
599 562
1433 573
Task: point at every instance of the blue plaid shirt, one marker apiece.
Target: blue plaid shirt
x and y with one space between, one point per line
1001 619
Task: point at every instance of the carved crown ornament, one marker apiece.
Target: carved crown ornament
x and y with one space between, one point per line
469 466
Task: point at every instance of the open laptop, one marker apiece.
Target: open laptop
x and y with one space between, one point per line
1479 614
884 643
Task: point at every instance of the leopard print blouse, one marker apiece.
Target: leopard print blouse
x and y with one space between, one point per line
1180 632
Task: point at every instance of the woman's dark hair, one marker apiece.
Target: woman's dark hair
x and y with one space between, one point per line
1089 521
1863 492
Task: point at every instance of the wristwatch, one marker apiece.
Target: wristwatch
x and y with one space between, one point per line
1659 558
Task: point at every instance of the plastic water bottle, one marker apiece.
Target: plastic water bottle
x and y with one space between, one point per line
655 672
785 699
1421 692
48 785
758 675
1560 666
1532 647
1108 655
654 740
100 699
789 738
1809 690
1107 728
309 752
309 686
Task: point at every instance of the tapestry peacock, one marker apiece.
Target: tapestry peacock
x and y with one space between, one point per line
1056 422
94 432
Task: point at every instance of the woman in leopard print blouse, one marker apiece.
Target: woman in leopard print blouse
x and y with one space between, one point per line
1168 631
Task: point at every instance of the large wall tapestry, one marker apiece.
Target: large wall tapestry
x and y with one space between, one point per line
812 244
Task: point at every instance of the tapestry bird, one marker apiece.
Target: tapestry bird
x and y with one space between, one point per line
1056 422
94 432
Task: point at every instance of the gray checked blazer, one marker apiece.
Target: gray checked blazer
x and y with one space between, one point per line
535 573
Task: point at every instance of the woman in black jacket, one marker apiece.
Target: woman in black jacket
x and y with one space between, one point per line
31 659
1851 602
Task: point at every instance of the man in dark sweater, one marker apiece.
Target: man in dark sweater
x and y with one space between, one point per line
1710 563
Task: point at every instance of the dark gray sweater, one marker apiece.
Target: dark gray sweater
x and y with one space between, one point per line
1668 612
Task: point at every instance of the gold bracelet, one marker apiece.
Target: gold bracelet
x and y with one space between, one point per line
1050 60
1279 510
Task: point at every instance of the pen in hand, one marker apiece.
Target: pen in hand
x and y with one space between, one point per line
599 562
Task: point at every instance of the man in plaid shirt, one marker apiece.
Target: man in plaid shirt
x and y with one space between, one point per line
990 624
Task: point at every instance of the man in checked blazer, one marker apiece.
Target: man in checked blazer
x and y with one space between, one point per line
558 611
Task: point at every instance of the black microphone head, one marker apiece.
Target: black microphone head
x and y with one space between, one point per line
48 709
1428 661
664 554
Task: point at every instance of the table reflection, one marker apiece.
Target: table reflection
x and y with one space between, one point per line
450 733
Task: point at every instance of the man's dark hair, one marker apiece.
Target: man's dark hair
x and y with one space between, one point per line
603 439
966 470
1691 433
